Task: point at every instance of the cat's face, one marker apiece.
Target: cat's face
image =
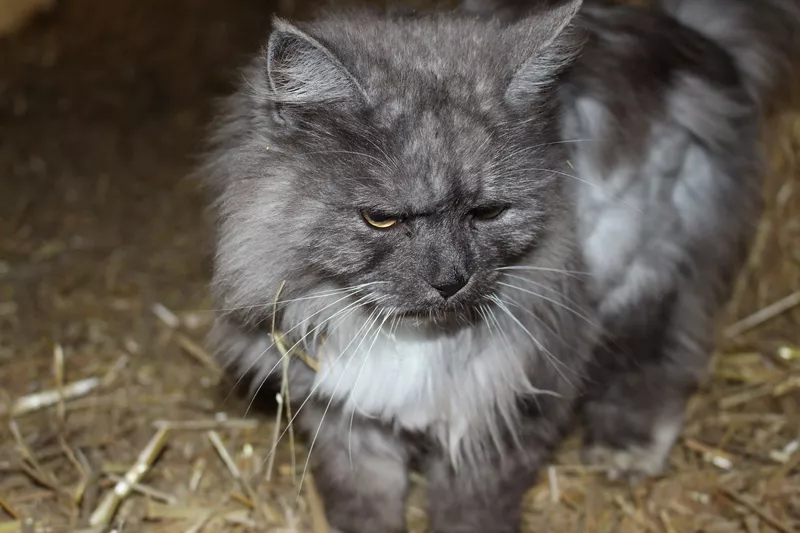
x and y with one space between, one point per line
421 209
411 178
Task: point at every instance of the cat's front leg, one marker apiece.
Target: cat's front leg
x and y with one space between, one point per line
633 424
461 502
485 494
636 412
361 470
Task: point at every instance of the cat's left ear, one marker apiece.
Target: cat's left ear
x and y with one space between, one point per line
556 44
303 71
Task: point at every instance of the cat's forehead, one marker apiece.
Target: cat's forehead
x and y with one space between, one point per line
476 97
440 155
408 59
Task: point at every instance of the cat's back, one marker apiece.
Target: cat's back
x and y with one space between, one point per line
666 136
646 70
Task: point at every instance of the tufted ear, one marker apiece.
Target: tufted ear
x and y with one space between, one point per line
556 44
303 71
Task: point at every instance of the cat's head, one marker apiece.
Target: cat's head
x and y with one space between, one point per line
410 157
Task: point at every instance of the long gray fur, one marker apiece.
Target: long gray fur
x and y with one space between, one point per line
433 116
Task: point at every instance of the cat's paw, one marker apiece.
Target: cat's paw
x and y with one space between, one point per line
629 449
634 463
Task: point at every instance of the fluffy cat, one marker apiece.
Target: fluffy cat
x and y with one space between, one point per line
403 176
665 108
401 185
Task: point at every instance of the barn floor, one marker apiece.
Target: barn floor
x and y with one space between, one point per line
103 309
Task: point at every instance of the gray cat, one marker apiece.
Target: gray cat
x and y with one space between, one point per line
400 189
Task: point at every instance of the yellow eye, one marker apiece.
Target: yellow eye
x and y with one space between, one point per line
488 212
379 220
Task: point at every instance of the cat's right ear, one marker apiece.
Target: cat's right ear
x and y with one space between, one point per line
556 43
302 71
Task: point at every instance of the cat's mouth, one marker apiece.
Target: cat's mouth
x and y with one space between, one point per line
438 317
463 309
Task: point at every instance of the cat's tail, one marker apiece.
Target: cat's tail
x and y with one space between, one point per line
763 37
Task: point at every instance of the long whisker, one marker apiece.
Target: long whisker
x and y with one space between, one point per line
566 141
545 287
350 292
484 311
355 387
532 389
315 387
333 395
312 296
257 359
554 302
540 320
542 269
491 319
552 358
510 155
394 325
352 306
503 336
589 183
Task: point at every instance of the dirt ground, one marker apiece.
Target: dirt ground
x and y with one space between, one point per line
103 106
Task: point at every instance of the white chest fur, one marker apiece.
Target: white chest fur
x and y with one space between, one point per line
406 376
458 386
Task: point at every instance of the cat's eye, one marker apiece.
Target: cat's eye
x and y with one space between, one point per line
488 212
379 220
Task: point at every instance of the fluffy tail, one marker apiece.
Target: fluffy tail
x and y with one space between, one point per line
763 37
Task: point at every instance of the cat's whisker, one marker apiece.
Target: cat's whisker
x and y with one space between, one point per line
507 158
483 144
314 389
350 292
554 302
257 359
551 289
532 390
376 314
348 309
565 141
543 269
312 296
494 326
540 320
503 336
278 363
508 300
355 387
365 300
585 182
552 358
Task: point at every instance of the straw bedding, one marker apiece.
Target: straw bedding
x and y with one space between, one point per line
112 413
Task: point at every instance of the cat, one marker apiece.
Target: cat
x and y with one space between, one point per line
395 192
382 167
665 107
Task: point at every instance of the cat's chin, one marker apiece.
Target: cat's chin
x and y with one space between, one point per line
437 318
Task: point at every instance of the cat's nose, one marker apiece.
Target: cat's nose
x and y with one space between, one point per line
450 288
